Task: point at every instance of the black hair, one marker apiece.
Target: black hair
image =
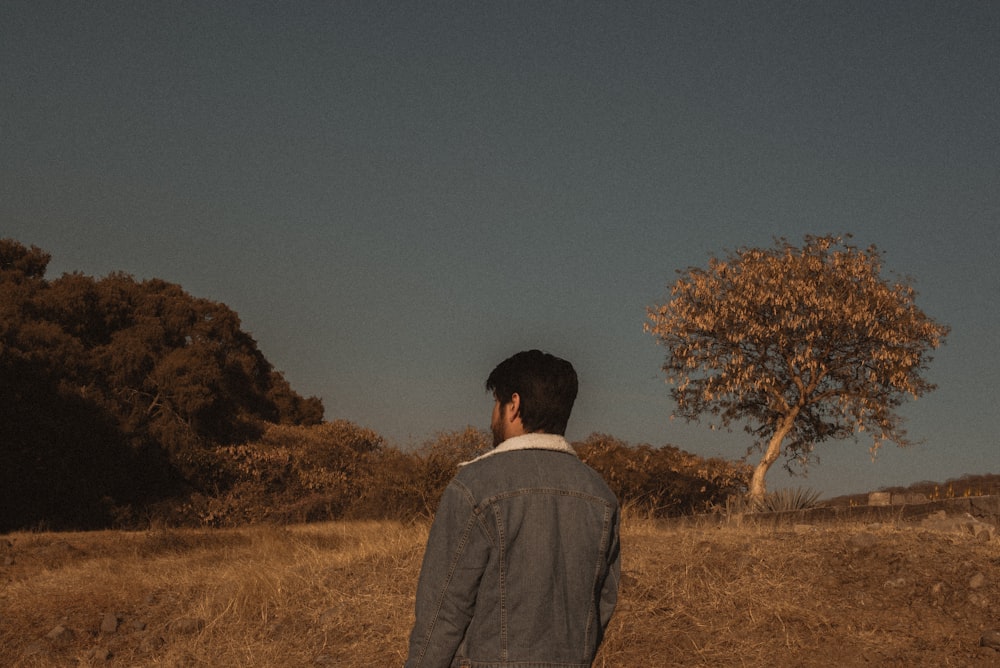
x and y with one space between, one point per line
546 384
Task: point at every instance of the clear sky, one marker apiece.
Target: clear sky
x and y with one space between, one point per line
396 196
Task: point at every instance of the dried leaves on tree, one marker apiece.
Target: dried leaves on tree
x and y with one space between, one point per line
802 344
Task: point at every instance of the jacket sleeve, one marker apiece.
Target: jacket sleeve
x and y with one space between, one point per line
456 555
609 591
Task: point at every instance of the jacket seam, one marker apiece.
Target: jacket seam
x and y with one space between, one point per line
501 543
554 491
459 551
502 562
592 614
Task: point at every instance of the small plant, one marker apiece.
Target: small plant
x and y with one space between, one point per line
799 498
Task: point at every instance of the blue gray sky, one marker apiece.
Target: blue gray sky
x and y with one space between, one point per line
396 196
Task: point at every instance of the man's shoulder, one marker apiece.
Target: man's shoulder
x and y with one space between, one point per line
504 469
505 459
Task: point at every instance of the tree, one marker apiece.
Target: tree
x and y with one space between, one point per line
23 262
120 387
803 344
63 461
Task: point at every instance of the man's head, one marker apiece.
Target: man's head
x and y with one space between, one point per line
535 392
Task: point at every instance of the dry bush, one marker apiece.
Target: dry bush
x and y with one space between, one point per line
338 470
292 474
439 457
392 489
334 470
664 481
408 486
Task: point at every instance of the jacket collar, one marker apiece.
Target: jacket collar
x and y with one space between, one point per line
535 441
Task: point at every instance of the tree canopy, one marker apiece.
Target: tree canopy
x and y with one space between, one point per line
803 344
120 385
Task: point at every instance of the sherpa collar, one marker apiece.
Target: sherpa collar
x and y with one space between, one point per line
535 441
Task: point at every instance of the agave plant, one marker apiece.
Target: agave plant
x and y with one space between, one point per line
798 498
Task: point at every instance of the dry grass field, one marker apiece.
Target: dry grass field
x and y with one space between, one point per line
340 594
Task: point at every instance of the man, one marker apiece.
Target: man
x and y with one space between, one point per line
522 562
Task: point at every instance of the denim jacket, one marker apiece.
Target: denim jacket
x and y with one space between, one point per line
522 562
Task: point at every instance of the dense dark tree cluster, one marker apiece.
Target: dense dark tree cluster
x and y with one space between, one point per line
114 391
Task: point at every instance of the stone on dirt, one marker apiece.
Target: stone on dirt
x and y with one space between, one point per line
99 654
109 622
991 639
188 625
60 634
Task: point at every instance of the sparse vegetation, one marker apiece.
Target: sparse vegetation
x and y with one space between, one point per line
341 594
984 484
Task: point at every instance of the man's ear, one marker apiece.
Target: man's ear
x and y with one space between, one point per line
515 407
512 417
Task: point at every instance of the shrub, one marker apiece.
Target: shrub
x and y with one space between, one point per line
338 470
799 498
665 481
437 462
292 474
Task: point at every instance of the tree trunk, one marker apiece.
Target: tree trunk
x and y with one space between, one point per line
758 487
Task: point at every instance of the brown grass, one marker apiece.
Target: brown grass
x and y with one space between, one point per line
341 594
